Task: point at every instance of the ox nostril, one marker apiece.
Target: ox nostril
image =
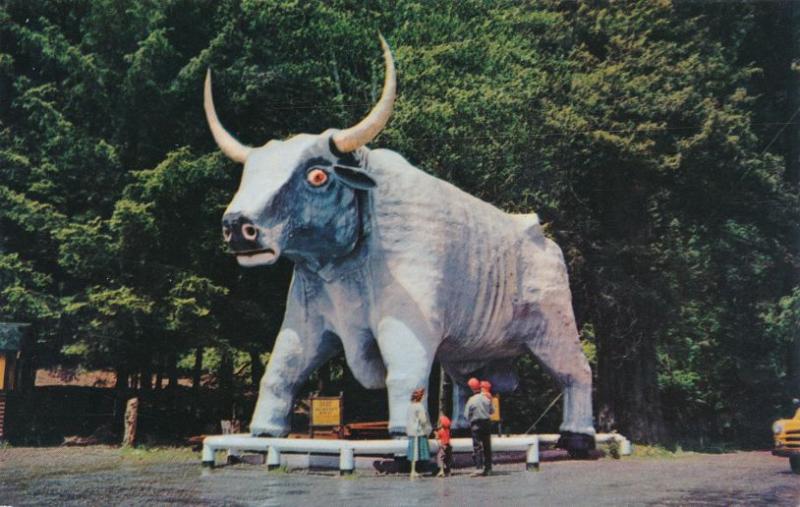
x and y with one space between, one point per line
226 233
249 232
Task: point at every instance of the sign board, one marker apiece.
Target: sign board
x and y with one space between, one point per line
495 417
326 411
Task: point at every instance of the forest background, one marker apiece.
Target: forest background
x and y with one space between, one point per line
658 141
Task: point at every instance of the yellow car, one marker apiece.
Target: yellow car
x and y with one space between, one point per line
787 439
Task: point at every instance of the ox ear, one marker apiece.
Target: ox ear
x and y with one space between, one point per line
354 177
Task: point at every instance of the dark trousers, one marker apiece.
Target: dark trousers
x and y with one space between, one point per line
482 444
444 458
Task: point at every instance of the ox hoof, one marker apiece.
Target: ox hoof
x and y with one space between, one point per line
577 445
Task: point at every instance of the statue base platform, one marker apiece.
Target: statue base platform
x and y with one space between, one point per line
347 455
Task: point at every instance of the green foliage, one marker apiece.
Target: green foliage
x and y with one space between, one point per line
114 325
637 132
84 250
25 294
782 320
614 449
656 452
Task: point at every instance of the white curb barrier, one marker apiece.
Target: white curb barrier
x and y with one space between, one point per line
532 456
346 461
273 457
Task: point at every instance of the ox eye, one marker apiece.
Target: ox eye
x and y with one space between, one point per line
317 177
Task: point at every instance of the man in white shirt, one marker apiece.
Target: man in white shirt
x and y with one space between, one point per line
478 411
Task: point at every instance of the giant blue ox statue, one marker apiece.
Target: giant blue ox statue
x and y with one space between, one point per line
398 268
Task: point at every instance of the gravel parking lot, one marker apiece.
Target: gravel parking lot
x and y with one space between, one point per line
110 476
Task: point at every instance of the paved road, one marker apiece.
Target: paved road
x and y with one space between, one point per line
107 476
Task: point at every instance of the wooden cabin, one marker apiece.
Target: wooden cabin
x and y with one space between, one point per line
15 342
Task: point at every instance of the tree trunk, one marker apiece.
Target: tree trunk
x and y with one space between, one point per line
647 422
198 369
146 380
146 375
159 372
131 419
256 367
225 377
121 394
122 379
628 398
172 370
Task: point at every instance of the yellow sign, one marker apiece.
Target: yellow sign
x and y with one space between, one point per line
496 404
326 411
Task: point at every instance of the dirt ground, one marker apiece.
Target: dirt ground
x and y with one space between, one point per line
110 476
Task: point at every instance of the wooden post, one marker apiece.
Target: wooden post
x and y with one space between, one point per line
172 371
131 416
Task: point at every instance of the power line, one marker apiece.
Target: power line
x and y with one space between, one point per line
778 133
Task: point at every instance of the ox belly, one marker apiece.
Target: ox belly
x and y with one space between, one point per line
497 307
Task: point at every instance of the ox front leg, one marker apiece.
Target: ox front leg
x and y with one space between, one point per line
408 354
293 359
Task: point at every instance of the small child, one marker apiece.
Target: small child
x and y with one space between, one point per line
444 458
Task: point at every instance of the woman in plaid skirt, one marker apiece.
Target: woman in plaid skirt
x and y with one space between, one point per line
418 428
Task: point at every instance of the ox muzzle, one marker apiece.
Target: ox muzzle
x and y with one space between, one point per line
247 241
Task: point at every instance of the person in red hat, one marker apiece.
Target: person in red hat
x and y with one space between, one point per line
486 389
478 411
444 457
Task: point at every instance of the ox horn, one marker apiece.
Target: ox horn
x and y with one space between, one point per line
365 131
226 142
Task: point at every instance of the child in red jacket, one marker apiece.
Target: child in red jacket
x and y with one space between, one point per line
444 457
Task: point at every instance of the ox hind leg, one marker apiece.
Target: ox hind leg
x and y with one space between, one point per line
559 350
